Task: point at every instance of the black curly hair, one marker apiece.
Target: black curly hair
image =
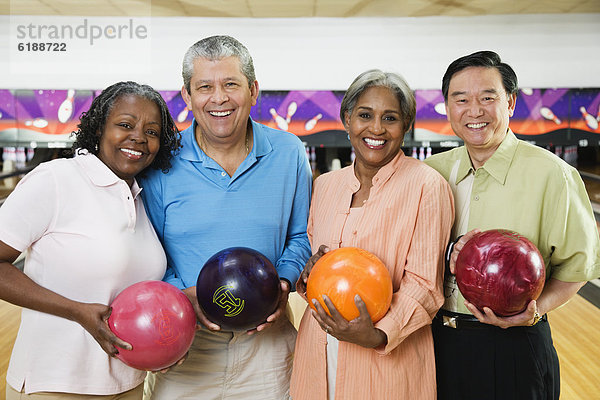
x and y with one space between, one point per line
93 121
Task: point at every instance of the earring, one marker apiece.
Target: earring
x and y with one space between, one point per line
348 136
96 147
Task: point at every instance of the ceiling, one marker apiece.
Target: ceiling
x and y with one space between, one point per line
294 8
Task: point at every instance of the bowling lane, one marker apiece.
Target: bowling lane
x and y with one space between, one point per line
593 189
591 179
593 169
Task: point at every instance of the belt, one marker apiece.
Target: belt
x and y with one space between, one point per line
458 321
463 321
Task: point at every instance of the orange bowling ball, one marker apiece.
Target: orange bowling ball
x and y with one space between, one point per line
345 272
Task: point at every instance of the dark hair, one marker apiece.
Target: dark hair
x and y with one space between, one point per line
92 122
486 59
378 78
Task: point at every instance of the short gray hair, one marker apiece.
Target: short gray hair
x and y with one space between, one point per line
378 78
215 48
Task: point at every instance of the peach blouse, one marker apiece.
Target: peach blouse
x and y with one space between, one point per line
406 222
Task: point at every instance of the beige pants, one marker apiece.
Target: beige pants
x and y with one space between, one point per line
296 307
233 366
133 394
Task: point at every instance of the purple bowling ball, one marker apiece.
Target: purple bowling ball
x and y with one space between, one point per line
238 288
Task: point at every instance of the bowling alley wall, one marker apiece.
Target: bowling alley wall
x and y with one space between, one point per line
303 66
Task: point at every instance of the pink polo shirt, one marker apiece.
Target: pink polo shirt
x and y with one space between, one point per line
87 238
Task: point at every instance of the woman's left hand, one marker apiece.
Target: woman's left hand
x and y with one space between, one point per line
94 319
301 284
360 330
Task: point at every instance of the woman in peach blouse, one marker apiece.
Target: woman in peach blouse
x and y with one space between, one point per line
399 209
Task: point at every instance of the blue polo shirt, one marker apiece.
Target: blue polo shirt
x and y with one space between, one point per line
197 209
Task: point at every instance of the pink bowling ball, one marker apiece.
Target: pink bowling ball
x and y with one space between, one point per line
159 322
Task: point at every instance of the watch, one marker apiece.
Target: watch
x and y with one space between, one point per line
448 253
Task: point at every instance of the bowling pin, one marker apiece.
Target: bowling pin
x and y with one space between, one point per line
8 165
292 107
428 154
12 154
21 158
571 155
37 123
313 159
30 153
336 164
558 151
40 123
421 153
66 108
549 115
567 154
414 153
311 123
440 108
591 122
527 91
182 116
279 120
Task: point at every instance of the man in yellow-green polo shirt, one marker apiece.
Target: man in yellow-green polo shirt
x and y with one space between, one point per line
502 182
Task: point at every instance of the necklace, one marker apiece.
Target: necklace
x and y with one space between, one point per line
247 144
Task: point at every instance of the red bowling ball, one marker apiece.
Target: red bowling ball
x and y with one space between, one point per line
159 322
500 269
238 288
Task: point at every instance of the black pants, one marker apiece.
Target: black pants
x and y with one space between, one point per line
492 363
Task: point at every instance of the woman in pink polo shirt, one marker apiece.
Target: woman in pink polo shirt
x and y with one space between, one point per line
86 236
402 211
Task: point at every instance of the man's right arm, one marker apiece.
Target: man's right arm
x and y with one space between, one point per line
153 198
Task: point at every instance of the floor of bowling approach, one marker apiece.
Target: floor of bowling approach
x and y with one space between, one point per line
574 326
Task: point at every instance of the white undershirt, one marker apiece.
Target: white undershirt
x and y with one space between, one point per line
332 342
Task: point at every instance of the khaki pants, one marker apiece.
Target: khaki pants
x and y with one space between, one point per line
235 366
133 394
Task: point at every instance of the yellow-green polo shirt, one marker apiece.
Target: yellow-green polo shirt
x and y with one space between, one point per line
531 191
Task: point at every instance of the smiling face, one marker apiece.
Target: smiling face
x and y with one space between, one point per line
131 136
375 127
479 109
220 98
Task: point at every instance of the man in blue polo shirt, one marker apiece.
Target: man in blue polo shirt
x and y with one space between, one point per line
234 183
